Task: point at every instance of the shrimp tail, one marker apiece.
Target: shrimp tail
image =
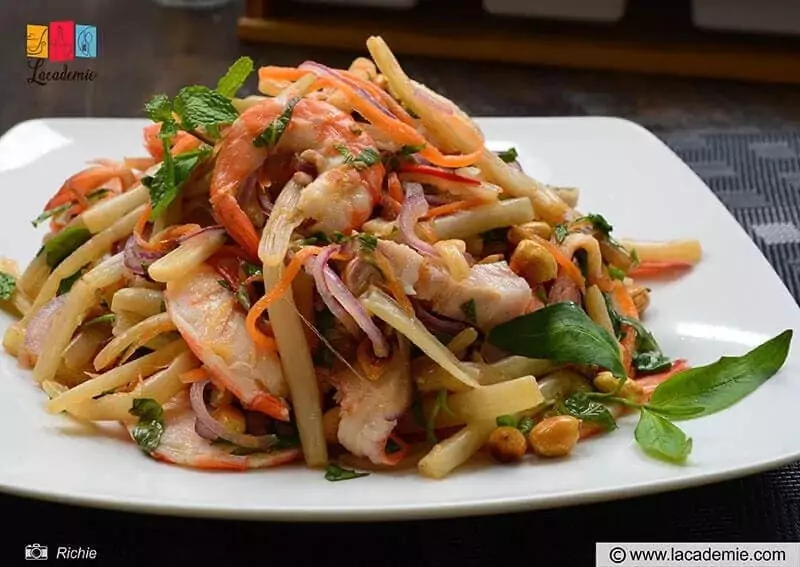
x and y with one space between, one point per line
230 215
274 406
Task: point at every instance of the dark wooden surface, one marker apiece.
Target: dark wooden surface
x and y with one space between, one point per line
144 49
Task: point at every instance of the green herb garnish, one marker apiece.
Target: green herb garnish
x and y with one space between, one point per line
560 231
251 269
234 78
167 181
8 284
584 408
406 151
270 137
509 156
525 425
661 438
470 311
368 241
367 158
506 421
66 284
439 405
561 332
65 243
615 273
599 222
147 433
335 473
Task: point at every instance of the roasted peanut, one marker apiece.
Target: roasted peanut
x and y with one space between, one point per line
330 425
533 262
507 444
630 390
527 231
555 436
230 417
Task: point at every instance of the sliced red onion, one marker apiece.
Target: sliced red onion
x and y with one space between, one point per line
356 310
137 258
319 69
40 323
209 428
436 323
414 207
316 266
265 201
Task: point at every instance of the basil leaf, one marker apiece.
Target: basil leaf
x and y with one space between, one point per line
469 309
645 341
200 106
662 439
704 390
165 184
561 332
506 421
616 321
508 156
66 284
147 433
615 273
235 77
650 362
561 231
599 222
581 406
270 137
335 473
159 108
65 243
525 425
7 286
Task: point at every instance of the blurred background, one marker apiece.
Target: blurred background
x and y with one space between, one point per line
717 80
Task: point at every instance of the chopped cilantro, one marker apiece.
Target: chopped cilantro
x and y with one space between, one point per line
367 158
7 286
368 241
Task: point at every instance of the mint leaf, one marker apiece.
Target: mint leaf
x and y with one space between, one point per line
65 243
704 390
509 156
366 158
235 77
159 108
147 433
561 332
270 137
579 405
335 473
165 184
662 439
8 284
200 106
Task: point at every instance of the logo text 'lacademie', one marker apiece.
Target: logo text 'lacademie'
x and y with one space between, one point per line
59 42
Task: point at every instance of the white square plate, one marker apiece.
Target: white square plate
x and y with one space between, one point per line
730 303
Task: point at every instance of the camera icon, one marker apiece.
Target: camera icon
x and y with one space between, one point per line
35 552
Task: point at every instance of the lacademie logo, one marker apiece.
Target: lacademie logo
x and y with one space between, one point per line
59 42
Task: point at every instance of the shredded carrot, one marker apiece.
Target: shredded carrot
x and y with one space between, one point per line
605 283
626 307
570 269
453 207
138 230
194 375
656 269
392 283
276 293
651 382
395 189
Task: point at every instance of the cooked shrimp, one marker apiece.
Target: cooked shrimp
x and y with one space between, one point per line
340 198
370 408
84 182
181 445
206 315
